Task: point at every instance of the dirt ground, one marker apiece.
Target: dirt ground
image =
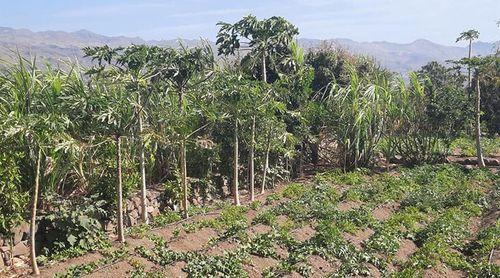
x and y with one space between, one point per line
199 241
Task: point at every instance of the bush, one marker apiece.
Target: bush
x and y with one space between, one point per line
14 201
72 226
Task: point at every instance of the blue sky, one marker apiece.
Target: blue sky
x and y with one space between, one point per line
363 20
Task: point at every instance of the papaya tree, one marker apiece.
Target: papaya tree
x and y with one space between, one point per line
469 36
131 66
479 65
113 113
184 69
266 40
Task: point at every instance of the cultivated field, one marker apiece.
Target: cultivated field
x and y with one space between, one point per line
431 221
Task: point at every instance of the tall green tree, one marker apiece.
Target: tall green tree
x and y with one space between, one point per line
480 66
113 112
469 35
267 40
185 69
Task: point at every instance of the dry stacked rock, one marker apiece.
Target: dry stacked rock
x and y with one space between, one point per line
16 248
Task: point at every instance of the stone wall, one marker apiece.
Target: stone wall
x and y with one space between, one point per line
15 250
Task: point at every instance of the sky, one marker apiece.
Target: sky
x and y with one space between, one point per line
400 21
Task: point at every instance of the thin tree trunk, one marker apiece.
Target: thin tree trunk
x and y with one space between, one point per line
266 166
480 160
264 70
287 168
301 161
236 195
251 162
119 189
184 179
182 158
468 68
144 213
34 265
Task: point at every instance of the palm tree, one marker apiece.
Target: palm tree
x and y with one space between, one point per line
266 39
469 36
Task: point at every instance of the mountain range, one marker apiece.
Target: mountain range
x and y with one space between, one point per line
52 46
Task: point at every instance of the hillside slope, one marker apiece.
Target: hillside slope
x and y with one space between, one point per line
54 45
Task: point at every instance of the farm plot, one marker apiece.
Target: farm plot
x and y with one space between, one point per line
429 221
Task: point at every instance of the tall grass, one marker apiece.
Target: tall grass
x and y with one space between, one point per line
359 117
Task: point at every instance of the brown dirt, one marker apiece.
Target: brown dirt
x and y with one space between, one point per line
281 251
406 249
258 229
293 275
443 272
193 241
60 267
175 270
384 211
319 266
119 269
303 233
222 247
359 237
281 219
348 205
257 265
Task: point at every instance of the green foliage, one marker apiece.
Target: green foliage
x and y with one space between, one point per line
85 269
294 191
487 240
14 200
166 218
266 217
467 146
73 229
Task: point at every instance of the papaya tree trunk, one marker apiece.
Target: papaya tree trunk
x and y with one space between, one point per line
468 68
266 166
236 195
251 162
184 179
144 213
480 159
119 188
264 71
183 163
34 265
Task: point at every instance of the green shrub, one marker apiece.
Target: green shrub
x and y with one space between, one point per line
74 225
294 191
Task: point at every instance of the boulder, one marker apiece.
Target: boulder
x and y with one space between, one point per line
132 221
155 212
134 214
20 249
137 201
109 227
19 232
19 263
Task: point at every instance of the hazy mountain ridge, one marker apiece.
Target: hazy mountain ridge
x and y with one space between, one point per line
55 45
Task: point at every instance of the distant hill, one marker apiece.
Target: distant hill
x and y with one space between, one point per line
52 46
